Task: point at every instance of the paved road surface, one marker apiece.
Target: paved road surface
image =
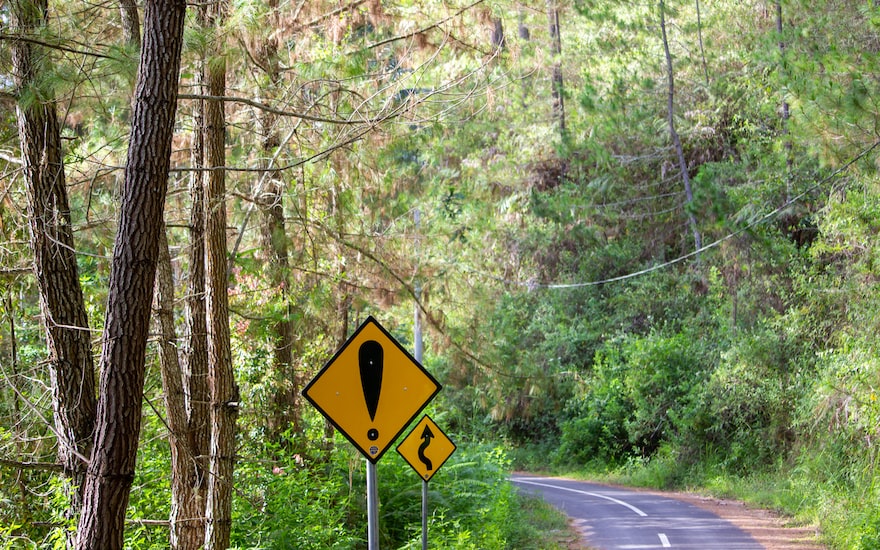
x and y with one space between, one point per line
615 518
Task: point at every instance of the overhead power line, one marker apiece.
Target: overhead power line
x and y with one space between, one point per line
769 215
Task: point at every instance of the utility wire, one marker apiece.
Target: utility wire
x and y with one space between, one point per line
762 219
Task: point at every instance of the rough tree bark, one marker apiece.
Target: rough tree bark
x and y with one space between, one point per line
498 33
71 367
186 509
132 273
131 23
224 393
191 534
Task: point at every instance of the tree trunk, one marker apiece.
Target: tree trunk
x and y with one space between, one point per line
224 394
186 508
196 389
71 367
700 41
498 33
525 80
285 401
285 405
785 107
676 141
521 28
556 84
132 274
343 307
131 23
18 432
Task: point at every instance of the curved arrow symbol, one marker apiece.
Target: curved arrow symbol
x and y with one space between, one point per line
370 357
427 435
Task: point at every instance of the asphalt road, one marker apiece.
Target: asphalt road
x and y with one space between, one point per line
615 518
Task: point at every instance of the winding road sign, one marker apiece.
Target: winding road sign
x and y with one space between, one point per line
426 448
371 389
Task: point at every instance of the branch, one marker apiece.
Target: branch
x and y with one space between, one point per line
295 164
156 522
409 289
15 271
420 31
61 441
337 11
270 109
19 38
42 466
10 159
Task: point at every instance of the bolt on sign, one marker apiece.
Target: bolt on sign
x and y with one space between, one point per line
426 448
371 389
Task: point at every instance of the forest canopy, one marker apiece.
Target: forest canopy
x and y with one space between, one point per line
631 233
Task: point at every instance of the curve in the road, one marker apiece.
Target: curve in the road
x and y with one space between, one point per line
616 518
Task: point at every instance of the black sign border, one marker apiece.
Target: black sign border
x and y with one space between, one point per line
305 392
454 448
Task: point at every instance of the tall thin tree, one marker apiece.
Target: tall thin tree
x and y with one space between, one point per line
673 133
187 509
190 534
700 42
224 393
71 367
285 401
135 252
557 87
786 114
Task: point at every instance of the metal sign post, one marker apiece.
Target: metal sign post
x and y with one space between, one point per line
372 507
426 449
417 339
424 515
370 391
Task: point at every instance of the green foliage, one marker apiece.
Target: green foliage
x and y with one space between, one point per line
287 504
472 505
597 428
756 359
150 497
869 532
743 417
640 394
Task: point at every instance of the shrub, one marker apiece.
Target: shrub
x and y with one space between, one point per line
292 504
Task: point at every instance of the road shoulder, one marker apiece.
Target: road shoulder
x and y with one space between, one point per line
771 530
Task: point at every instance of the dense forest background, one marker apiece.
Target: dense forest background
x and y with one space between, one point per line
638 236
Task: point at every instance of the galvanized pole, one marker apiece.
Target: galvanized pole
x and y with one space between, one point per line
417 324
372 507
424 515
417 318
417 338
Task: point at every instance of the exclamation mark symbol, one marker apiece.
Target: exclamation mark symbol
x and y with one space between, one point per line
370 357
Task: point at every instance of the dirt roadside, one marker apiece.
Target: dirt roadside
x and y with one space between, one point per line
771 530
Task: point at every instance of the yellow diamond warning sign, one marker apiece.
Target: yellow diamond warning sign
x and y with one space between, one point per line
426 448
371 389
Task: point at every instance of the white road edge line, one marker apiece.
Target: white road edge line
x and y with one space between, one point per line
597 495
664 540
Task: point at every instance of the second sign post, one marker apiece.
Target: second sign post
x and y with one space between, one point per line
371 390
